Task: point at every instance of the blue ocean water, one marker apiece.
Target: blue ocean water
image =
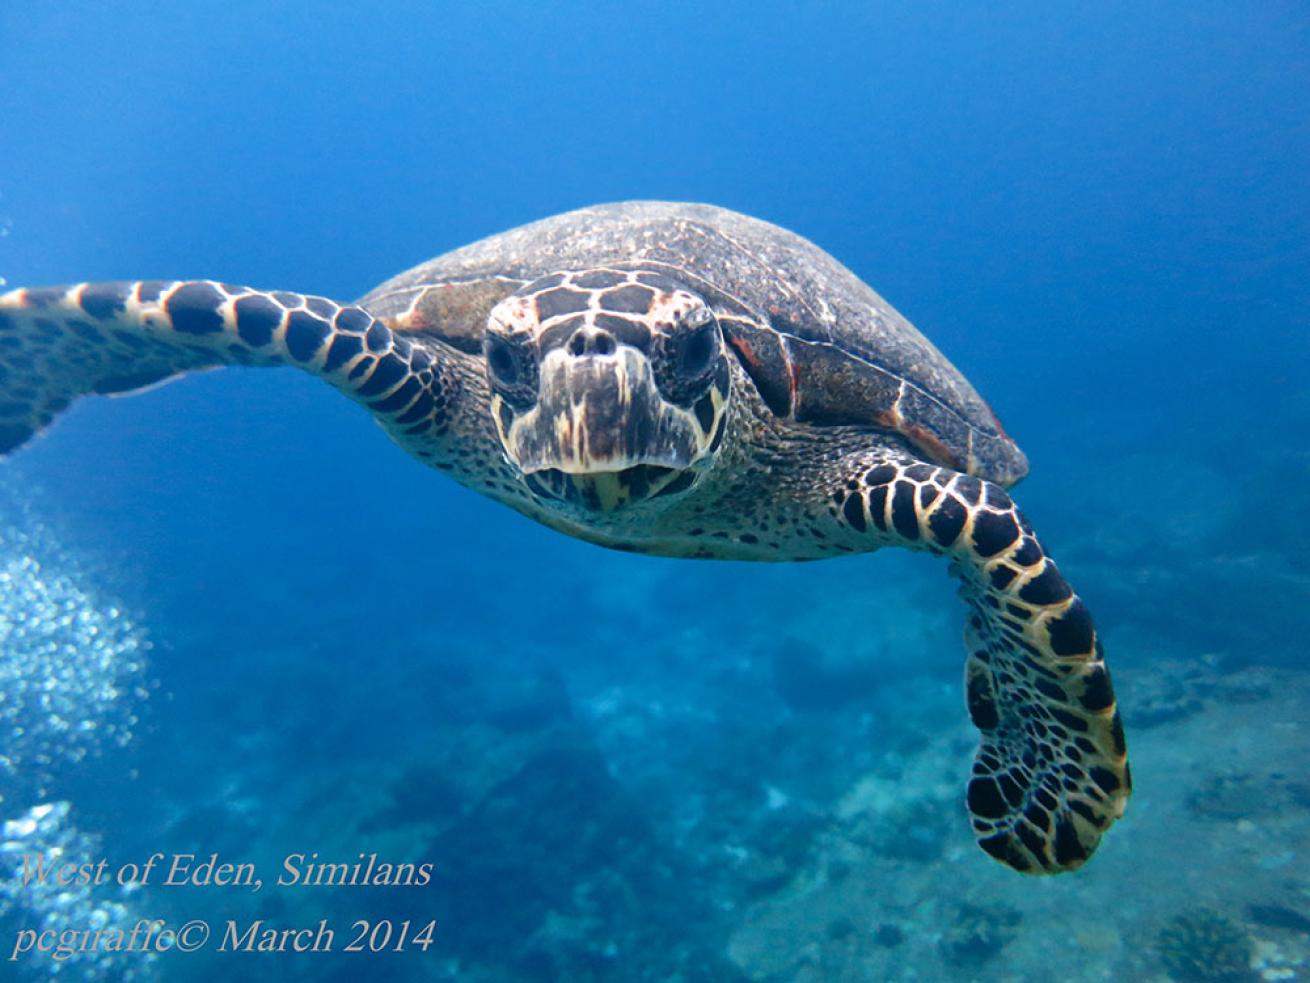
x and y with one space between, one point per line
626 768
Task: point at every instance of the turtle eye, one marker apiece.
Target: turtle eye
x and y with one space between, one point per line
511 368
684 359
500 359
699 347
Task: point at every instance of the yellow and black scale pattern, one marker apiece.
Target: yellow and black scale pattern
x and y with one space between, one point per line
62 342
1051 772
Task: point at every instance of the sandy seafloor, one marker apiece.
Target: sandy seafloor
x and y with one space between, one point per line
674 771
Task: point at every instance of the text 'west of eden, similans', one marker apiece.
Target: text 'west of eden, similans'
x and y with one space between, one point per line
186 869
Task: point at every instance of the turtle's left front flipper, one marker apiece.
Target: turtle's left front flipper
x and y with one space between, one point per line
1051 771
59 343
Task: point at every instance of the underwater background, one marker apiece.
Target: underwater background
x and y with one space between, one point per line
235 619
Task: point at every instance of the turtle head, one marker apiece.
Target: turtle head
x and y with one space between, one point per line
608 387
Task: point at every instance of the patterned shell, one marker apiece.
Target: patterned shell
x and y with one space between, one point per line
821 346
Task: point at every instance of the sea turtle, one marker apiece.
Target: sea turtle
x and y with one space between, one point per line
679 380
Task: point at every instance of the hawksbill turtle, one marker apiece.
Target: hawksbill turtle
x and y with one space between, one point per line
679 380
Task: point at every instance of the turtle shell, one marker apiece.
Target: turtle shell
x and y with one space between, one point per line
821 346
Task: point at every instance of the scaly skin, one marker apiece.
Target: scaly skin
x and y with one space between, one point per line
1050 774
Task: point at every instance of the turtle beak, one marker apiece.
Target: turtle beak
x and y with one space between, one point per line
600 433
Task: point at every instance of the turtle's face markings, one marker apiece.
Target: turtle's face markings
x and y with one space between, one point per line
609 386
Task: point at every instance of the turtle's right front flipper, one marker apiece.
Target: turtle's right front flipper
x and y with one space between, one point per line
1051 771
59 343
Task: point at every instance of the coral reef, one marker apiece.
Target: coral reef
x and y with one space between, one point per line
977 933
1279 916
1248 794
1202 944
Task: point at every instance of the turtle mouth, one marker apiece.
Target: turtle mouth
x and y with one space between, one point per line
608 491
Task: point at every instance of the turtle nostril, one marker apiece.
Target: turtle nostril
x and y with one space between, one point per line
588 341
